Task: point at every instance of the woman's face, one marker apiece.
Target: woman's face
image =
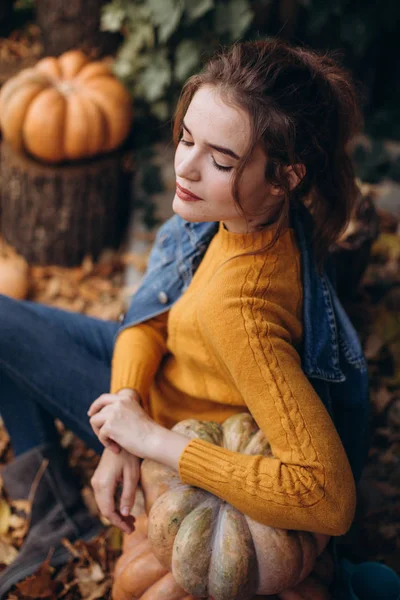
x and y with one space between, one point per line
215 135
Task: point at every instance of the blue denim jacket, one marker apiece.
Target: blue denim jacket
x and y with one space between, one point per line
331 353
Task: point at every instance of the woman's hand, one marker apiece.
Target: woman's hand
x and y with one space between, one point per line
119 420
112 470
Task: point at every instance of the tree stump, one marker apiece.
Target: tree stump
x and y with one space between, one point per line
59 214
71 24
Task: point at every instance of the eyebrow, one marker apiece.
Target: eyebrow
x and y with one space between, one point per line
221 149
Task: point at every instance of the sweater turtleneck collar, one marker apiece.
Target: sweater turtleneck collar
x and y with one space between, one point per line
255 240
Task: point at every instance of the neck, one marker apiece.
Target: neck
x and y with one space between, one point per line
254 225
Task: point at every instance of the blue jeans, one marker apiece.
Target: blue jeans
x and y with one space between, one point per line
53 364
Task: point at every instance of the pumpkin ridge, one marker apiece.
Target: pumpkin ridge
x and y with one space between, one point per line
97 126
142 547
209 431
164 589
233 570
104 118
93 70
7 91
192 549
15 112
71 63
174 505
237 431
118 123
75 140
50 67
44 116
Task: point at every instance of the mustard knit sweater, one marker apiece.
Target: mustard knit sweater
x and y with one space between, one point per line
230 344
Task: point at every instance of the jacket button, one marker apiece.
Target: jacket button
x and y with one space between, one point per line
162 297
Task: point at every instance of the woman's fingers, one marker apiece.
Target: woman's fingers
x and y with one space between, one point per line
101 401
113 446
128 491
96 422
104 439
106 503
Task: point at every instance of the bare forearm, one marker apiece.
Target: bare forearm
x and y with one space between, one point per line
164 446
167 446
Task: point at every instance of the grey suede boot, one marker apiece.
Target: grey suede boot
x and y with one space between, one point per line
58 510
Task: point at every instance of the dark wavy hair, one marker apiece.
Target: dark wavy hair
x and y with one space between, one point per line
304 110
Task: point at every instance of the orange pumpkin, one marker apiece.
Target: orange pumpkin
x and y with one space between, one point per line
211 549
65 108
139 575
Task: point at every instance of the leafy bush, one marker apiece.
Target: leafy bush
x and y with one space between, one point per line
166 40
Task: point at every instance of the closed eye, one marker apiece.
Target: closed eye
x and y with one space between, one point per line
215 164
185 142
220 167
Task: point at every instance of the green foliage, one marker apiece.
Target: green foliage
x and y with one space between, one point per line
165 41
372 161
24 5
352 24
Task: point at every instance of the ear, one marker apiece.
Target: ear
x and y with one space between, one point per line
294 178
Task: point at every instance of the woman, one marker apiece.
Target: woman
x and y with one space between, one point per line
261 130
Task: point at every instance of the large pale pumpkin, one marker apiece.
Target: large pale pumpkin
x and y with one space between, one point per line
139 575
212 549
65 108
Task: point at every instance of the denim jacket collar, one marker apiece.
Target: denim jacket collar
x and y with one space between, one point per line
320 354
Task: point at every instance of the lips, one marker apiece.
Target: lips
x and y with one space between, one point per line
185 194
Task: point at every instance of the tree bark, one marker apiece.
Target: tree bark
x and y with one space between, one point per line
71 24
59 214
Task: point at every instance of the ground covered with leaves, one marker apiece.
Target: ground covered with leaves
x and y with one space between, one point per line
98 290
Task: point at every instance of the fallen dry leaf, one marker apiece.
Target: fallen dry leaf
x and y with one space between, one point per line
7 552
40 584
5 514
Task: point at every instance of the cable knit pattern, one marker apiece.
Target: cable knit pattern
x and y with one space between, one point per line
229 344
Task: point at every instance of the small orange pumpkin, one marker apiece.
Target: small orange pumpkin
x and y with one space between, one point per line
139 575
65 108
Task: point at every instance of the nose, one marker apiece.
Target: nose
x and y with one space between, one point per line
187 167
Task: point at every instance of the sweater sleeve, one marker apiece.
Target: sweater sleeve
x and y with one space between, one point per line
137 354
308 483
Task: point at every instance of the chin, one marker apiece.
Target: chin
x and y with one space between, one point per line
187 211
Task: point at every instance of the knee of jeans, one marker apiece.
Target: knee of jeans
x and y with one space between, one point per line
7 304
